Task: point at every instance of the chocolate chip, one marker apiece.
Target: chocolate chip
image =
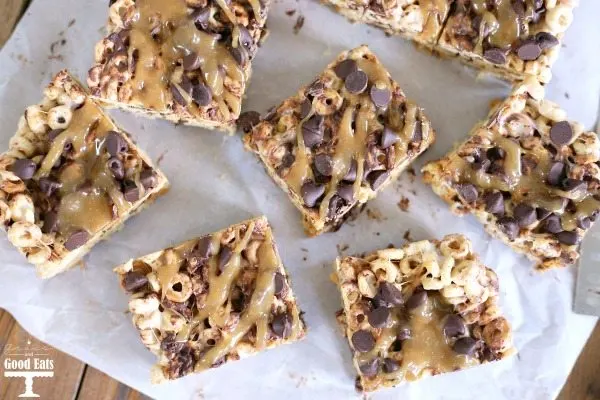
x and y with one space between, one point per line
454 326
524 214
556 173
369 368
345 68
495 55
416 300
529 50
49 186
202 95
191 61
495 153
54 133
116 167
417 135
519 7
134 281
316 88
177 95
240 55
388 138
346 192
351 174
528 164
200 18
546 40
584 223
378 317
561 133
494 203
115 144
282 325
130 191
482 163
24 168
356 82
311 193
363 341
465 345
50 222
568 237
552 224
312 131
324 164
245 38
380 96
574 185
305 108
509 226
390 365
77 239
467 191
224 257
148 178
377 178
336 203
389 294
248 120
279 283
203 248
403 332
542 213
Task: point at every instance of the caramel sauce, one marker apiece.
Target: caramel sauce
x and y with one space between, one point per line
156 62
434 12
300 170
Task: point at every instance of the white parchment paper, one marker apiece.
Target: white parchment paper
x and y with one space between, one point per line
215 183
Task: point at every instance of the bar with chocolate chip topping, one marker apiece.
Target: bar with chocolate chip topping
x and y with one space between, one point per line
69 178
510 38
341 139
212 300
419 20
427 308
528 174
186 61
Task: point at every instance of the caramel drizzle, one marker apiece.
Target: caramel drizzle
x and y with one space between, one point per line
91 209
434 12
156 62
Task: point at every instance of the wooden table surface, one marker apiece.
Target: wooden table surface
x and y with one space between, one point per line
76 380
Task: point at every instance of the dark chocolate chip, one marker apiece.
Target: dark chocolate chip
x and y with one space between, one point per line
416 300
519 7
567 237
390 365
584 223
388 138
311 193
282 325
346 192
556 173
148 178
186 85
336 203
115 144
351 174
496 168
116 167
203 248
542 213
495 153
403 332
312 131
49 186
279 283
465 345
324 164
495 55
494 203
54 133
200 18
177 95
357 82
454 326
191 61
380 96
529 50
509 226
552 224
50 222
248 120
134 281
305 108
369 368
363 341
240 55
525 215
377 178
417 135
482 163
574 185
546 40
202 95
77 239
270 114
389 294
131 191
561 133
24 168
224 257
378 317
245 38
467 191
345 68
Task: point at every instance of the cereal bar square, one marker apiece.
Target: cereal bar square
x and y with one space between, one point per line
427 308
341 139
70 178
212 300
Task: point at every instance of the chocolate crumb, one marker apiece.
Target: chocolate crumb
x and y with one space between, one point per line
375 215
411 174
161 157
341 248
404 203
567 95
299 24
407 236
289 13
71 23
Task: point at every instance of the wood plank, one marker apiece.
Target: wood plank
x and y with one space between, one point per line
10 12
6 325
97 385
68 371
584 381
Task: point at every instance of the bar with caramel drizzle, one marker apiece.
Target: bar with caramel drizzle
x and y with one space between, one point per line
211 300
180 61
340 140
